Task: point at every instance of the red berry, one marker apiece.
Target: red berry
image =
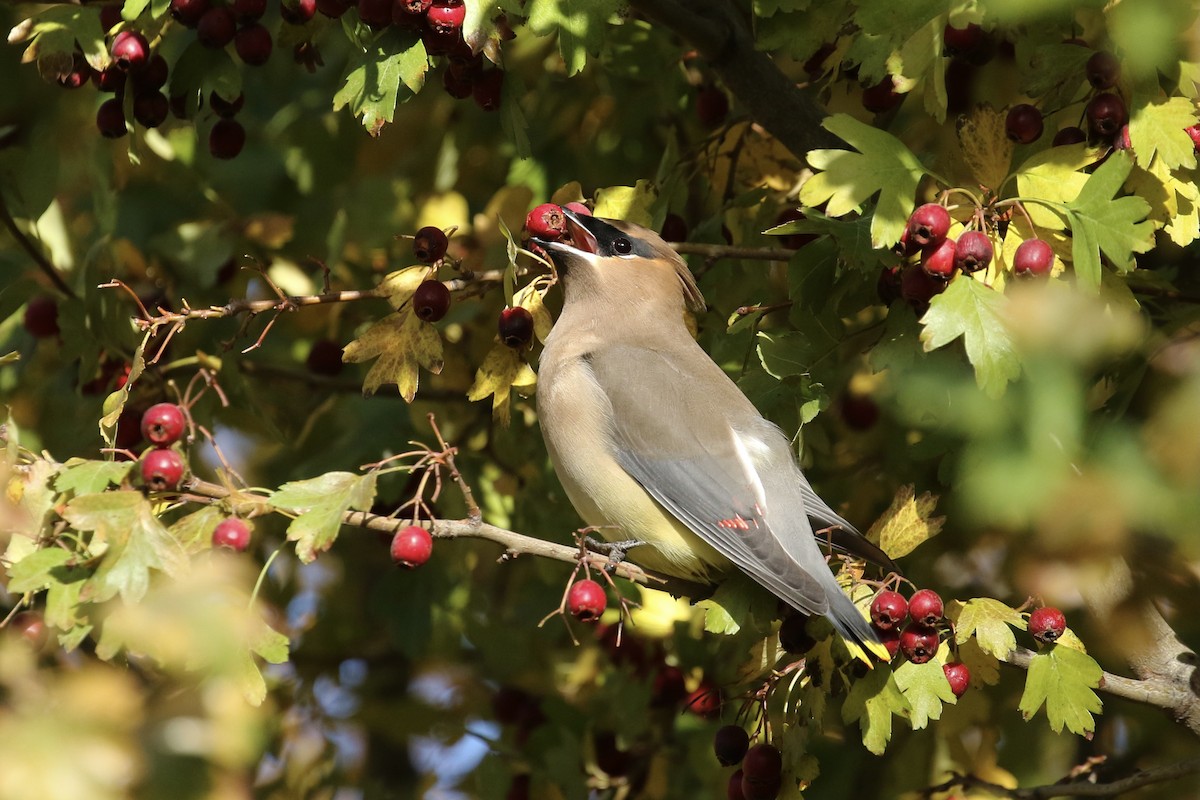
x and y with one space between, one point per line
918 642
30 626
253 44
297 12
1034 258
163 424
110 80
1193 132
917 288
973 252
928 224
324 358
334 8
226 108
249 10
674 228
705 701
962 41
77 75
926 608
1102 70
888 610
794 636
1106 114
487 89
546 222
610 758
110 119
412 546
887 285
217 27
431 300
1121 140
375 14
152 74
1069 135
881 97
586 600
226 139
959 677
669 687
233 533
794 241
516 327
41 317
459 85
1023 124
429 245
110 16
762 772
580 209
730 745
150 109
162 469
445 16
859 411
938 260
130 49
712 106
1047 624
891 640
189 12
734 790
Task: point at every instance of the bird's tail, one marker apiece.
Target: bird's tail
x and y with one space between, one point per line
848 620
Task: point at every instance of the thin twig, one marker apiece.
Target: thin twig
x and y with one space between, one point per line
716 251
447 457
34 252
1144 777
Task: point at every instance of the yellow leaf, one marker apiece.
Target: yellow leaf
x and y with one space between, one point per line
630 203
532 298
508 206
906 523
502 370
1054 175
401 342
986 150
269 229
569 193
444 210
399 286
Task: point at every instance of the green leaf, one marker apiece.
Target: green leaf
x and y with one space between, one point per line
871 702
973 311
320 503
372 86
1063 678
136 542
32 573
580 24
926 689
990 622
778 353
847 179
512 117
1156 128
737 602
1102 224
90 477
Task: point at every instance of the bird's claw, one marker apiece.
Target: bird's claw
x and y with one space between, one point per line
616 551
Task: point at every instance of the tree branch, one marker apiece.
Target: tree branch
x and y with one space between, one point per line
36 254
1143 777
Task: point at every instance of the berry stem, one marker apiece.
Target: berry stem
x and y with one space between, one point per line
262 573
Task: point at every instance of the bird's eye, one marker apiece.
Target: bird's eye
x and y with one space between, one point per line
622 246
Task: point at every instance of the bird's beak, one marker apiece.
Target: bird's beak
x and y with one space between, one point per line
580 236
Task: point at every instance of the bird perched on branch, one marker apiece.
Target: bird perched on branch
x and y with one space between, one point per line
654 443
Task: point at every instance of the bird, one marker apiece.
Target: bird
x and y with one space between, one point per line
654 443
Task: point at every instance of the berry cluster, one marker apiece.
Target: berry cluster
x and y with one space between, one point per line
162 466
1105 114
920 638
760 774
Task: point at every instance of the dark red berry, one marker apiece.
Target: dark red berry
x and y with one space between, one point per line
938 260
669 687
163 424
887 285
793 241
926 607
814 65
162 469
151 75
77 75
794 636
888 610
130 49
297 12
586 600
445 16
881 97
516 327
762 772
334 8
973 252
414 6
324 358
1102 70
217 27
917 288
1047 624
41 317
431 300
412 546
891 640
226 108
1193 132
705 701
546 222
375 14
674 228
185 106
129 429
860 412
30 626
962 41
928 224
918 642
189 12
429 244
1034 258
1106 114
233 533
730 745
110 80
226 138
110 119
110 16
459 85
959 677
308 55
253 44
712 106
150 109
610 758
1023 124
487 89
249 10
734 790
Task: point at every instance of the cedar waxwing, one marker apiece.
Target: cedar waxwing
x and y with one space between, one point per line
653 441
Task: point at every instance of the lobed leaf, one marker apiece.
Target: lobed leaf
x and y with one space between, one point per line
973 311
320 503
1063 678
1102 224
990 623
872 701
503 370
926 689
401 343
907 523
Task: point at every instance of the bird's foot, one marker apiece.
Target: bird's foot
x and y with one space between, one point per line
616 551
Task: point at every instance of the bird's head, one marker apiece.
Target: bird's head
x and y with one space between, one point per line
613 260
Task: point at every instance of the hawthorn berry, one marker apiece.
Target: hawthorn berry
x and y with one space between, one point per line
578 208
458 85
1193 132
77 75
253 44
1068 135
412 546
586 600
486 90
962 41
917 288
674 228
297 12
973 252
516 327
762 772
129 49
881 97
375 14
610 758
794 636
226 109
928 224
152 74
926 607
129 429
1047 624
233 533
1024 123
891 641
217 27
938 260
734 790
249 10
1102 70
110 16
431 300
959 677
110 119
1106 113
189 12
41 316
226 139
30 626
860 412
324 358
669 687
918 642
150 109
1034 258
110 80
887 285
429 245
712 106
163 424
335 8
162 469
445 16
730 745
546 222
888 610
1121 141
705 701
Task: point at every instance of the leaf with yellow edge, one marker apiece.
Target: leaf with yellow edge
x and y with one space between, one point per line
503 370
401 342
986 149
398 286
1184 227
1054 175
872 701
532 297
630 203
989 622
1156 128
906 523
